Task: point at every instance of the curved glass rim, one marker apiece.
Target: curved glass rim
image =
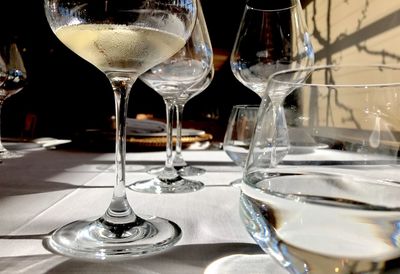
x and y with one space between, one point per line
270 10
321 67
246 106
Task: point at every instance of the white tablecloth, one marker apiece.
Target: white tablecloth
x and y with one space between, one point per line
46 189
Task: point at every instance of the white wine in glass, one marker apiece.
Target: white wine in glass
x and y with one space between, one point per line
122 39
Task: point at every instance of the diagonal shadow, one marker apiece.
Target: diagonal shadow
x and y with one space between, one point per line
32 173
13 188
26 236
185 259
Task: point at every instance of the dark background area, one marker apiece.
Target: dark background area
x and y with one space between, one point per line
69 95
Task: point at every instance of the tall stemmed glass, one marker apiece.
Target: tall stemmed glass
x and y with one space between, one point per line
272 36
123 39
12 80
178 160
173 79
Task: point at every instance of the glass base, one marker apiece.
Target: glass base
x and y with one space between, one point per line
7 154
190 171
157 186
96 240
156 170
236 183
182 171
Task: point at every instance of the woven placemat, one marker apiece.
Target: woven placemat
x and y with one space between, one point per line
161 141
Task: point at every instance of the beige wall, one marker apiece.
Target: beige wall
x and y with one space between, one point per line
354 32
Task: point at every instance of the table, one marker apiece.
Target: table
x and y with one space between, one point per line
46 189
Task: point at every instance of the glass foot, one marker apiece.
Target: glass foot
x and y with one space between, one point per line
157 186
7 154
190 171
236 183
156 170
97 240
183 171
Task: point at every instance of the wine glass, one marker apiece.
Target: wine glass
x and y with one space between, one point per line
122 39
173 79
272 36
238 134
183 168
335 210
12 80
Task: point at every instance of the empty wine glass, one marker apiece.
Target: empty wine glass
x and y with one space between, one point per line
272 36
335 210
12 80
238 135
172 80
122 39
178 161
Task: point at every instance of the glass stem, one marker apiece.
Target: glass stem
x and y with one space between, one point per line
119 211
169 175
178 158
275 109
2 148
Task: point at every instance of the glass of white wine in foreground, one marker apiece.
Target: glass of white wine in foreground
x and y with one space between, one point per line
122 39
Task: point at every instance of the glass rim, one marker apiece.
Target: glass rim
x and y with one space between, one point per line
270 10
244 106
312 69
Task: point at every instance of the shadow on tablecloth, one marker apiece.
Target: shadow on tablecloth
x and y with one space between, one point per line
185 259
